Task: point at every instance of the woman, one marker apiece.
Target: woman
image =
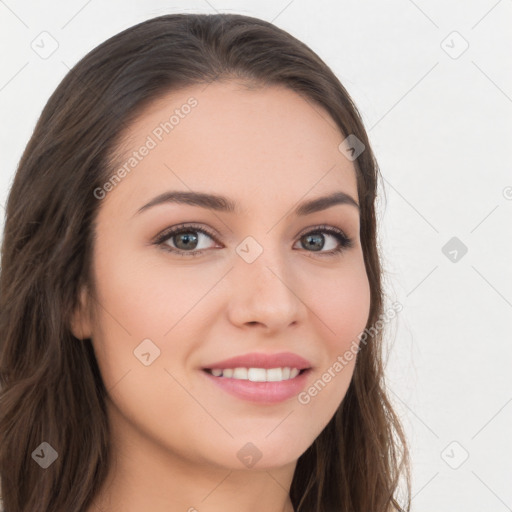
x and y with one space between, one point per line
191 302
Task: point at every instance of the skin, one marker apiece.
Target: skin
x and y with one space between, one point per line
176 435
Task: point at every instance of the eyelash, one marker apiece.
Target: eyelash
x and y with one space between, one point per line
344 241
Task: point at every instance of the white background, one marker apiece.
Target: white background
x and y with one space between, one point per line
440 125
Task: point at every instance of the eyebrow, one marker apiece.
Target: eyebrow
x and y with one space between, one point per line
224 204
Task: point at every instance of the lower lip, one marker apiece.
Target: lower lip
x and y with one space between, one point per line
262 392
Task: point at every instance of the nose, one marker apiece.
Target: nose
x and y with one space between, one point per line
265 293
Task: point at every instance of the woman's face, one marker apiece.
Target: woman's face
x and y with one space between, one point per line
252 282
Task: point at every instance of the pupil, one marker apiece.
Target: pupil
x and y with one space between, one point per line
188 240
316 241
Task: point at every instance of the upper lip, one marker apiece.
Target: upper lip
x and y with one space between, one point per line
261 360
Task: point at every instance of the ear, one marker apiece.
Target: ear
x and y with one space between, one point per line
80 323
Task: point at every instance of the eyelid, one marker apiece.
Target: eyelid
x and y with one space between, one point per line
345 242
166 233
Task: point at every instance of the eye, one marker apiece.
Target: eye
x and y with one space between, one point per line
185 240
316 240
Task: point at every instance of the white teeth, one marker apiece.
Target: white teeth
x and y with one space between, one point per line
293 373
274 374
257 374
240 373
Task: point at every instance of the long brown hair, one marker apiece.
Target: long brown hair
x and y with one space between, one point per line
51 388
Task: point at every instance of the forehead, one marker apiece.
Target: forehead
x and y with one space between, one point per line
265 143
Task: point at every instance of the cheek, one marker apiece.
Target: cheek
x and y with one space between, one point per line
344 306
147 296
141 298
140 301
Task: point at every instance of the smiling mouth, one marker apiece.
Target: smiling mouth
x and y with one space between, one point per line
257 374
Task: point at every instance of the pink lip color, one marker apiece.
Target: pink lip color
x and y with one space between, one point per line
262 392
262 360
